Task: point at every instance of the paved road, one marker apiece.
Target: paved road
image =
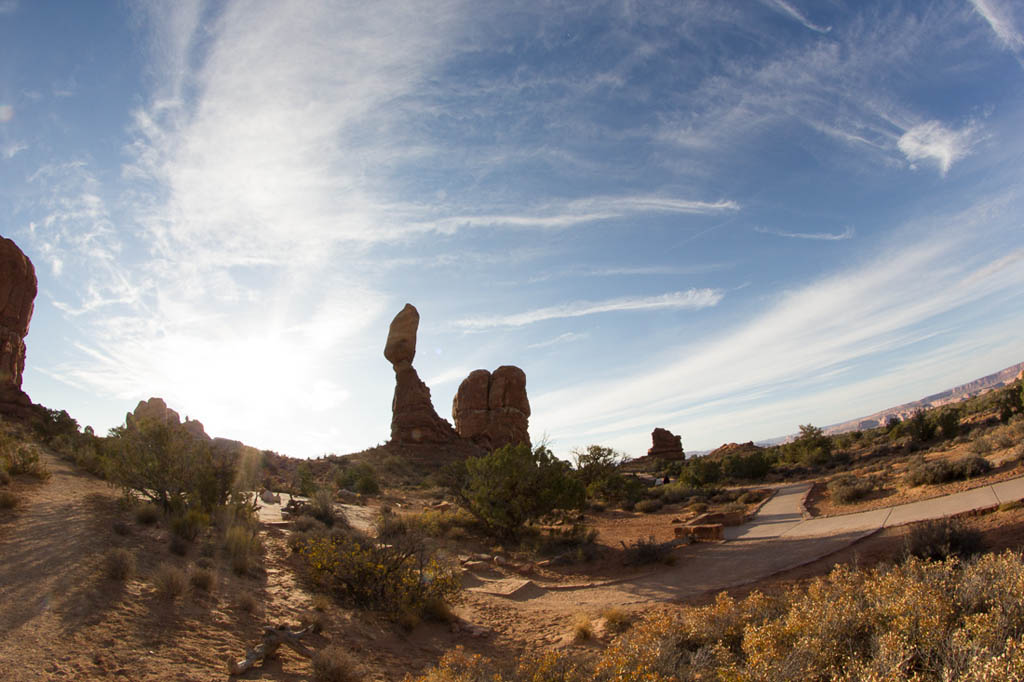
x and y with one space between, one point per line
782 516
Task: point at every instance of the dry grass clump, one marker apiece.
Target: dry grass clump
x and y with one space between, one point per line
649 506
334 664
582 628
169 581
942 538
616 620
943 471
120 564
243 545
921 620
649 551
201 578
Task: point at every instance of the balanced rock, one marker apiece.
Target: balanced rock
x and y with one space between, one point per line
492 409
18 288
665 445
413 419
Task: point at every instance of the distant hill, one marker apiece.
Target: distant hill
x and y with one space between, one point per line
947 397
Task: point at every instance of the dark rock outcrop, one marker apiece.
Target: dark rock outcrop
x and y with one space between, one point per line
156 410
18 288
413 419
492 409
665 445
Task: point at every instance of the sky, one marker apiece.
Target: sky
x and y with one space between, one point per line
724 219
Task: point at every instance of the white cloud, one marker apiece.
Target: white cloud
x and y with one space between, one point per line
6 113
9 151
693 299
1000 18
820 236
844 322
567 337
934 142
787 8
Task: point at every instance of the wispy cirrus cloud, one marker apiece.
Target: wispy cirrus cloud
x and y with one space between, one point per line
1000 17
567 337
692 299
847 233
790 10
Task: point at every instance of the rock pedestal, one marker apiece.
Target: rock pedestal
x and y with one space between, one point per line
492 409
18 288
666 445
413 419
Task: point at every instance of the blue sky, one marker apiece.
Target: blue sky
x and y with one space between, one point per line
726 219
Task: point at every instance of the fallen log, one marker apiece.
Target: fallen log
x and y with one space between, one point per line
273 638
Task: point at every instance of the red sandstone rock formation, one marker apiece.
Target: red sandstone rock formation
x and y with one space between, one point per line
155 409
492 410
413 419
18 288
665 445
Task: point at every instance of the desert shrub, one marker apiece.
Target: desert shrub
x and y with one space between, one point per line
616 620
512 487
23 459
921 472
177 545
322 508
849 488
699 507
948 422
147 514
399 577
941 538
168 466
201 578
360 478
9 500
304 522
674 493
333 664
315 618
5 476
189 525
169 581
980 446
390 525
596 464
920 427
242 544
576 542
121 528
972 466
752 467
582 628
700 472
119 564
751 497
649 506
812 447
647 551
247 603
617 489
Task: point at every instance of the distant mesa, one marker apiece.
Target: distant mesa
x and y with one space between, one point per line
492 409
156 410
18 288
665 445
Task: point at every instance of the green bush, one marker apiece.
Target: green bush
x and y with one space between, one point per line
948 422
169 466
920 428
514 486
360 478
752 467
23 459
700 472
647 551
596 464
322 508
617 489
